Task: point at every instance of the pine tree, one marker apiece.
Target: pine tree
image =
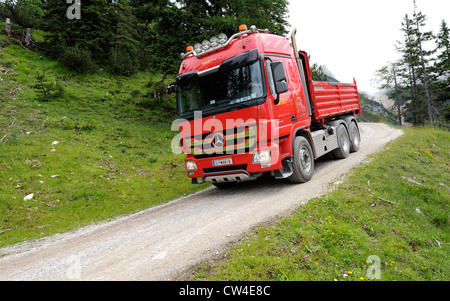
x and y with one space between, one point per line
125 49
408 49
441 68
106 32
419 20
418 72
442 63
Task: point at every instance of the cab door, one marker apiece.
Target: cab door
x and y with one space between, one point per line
285 111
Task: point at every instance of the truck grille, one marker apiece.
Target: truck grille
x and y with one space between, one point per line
233 141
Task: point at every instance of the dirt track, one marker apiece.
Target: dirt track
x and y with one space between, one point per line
162 242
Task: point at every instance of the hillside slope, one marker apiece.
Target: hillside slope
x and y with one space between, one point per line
96 148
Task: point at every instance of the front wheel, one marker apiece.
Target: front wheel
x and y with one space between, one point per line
303 165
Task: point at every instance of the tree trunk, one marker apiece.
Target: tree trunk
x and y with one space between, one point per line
396 96
425 83
422 63
28 36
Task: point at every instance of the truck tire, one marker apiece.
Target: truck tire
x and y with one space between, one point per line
303 165
343 149
355 137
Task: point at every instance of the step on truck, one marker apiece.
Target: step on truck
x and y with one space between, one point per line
247 105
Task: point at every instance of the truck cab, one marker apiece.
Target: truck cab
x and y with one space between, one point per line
247 105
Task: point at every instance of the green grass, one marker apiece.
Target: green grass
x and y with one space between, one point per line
113 155
379 211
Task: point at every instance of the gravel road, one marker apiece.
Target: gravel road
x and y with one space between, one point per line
163 242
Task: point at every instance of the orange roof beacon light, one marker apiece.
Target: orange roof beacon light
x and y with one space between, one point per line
242 27
189 48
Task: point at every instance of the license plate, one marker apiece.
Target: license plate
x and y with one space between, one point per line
221 162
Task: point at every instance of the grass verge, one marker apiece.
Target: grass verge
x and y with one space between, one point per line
389 220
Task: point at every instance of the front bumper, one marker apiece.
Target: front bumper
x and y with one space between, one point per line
241 169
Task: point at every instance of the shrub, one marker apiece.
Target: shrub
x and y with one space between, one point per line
46 88
78 59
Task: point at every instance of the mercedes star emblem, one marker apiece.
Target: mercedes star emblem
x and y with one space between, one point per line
218 140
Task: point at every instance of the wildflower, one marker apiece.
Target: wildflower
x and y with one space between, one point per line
350 272
362 278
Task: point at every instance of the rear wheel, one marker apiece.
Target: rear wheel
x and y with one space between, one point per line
344 143
303 165
355 138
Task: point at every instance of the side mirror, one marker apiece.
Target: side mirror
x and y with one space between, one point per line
171 88
279 77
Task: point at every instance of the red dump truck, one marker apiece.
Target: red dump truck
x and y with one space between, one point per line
247 105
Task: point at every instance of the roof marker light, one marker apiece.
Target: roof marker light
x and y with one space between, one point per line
189 48
242 27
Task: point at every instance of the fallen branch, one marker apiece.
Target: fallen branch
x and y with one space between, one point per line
39 164
3 138
13 122
411 180
391 202
439 244
42 126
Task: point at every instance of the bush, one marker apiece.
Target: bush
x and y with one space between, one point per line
78 59
46 88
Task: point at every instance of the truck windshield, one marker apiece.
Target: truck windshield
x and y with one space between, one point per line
221 89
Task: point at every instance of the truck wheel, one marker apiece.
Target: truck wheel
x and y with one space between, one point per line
303 165
355 138
344 143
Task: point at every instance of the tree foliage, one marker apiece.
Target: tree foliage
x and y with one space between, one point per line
441 68
26 13
422 74
167 27
125 35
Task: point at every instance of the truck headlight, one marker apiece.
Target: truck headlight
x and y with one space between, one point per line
261 157
190 165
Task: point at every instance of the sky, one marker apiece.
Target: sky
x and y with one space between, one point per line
354 38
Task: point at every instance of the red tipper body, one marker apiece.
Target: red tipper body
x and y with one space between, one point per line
242 105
